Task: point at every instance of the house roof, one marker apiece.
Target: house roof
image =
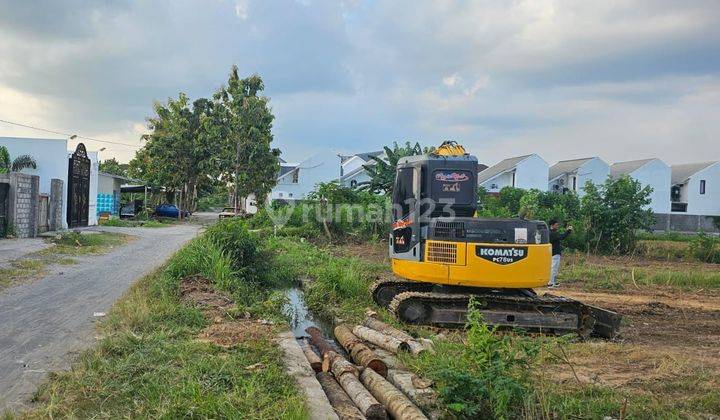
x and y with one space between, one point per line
565 166
364 156
500 167
285 168
681 173
626 168
124 178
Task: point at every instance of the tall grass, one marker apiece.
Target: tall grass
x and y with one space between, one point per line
616 275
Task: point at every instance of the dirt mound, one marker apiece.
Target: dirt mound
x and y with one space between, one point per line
229 334
198 291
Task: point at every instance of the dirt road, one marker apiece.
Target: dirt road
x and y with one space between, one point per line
44 323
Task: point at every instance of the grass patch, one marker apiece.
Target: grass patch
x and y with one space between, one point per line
21 271
74 243
149 363
134 223
616 274
344 281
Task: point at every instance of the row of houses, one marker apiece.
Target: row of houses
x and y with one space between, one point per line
690 189
65 190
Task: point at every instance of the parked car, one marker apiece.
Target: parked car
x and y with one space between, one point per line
169 210
230 212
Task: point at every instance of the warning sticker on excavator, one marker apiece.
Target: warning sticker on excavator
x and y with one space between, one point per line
501 254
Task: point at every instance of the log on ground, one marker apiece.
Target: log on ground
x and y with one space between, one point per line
363 399
316 336
333 362
359 352
407 383
415 346
310 355
381 340
339 399
397 404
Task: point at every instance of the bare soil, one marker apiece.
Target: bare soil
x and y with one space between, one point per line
196 290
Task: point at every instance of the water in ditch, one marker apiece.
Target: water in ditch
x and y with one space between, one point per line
299 316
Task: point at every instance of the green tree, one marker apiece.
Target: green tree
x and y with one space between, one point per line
248 160
21 162
613 212
178 153
112 166
382 171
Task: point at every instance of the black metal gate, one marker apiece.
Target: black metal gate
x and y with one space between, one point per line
78 188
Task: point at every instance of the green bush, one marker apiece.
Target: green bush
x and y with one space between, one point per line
705 248
488 376
613 212
241 246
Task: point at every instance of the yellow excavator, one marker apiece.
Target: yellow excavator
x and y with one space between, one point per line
443 256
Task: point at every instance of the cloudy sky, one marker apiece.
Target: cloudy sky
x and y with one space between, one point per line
565 79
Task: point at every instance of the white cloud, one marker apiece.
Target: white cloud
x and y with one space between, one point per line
241 9
452 80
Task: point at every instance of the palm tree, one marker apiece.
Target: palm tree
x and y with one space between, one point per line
21 162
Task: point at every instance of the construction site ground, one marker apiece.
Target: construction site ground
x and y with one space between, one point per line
669 344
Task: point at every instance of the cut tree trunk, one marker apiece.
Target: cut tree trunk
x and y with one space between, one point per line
390 359
407 383
397 404
339 399
359 352
310 355
347 375
415 346
381 340
316 336
333 362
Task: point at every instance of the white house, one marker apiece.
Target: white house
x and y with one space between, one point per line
649 172
696 188
527 172
572 175
295 181
352 167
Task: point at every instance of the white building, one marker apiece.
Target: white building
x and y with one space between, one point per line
696 188
527 172
295 181
352 167
649 172
572 175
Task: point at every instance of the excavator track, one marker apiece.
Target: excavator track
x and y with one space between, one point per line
416 303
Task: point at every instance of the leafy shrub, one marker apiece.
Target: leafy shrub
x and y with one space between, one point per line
488 376
203 256
613 212
242 247
705 248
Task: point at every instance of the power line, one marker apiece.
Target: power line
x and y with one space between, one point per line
70 135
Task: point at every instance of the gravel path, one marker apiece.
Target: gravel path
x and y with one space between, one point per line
44 323
11 249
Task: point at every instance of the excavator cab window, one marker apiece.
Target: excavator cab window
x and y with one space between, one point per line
403 203
403 196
